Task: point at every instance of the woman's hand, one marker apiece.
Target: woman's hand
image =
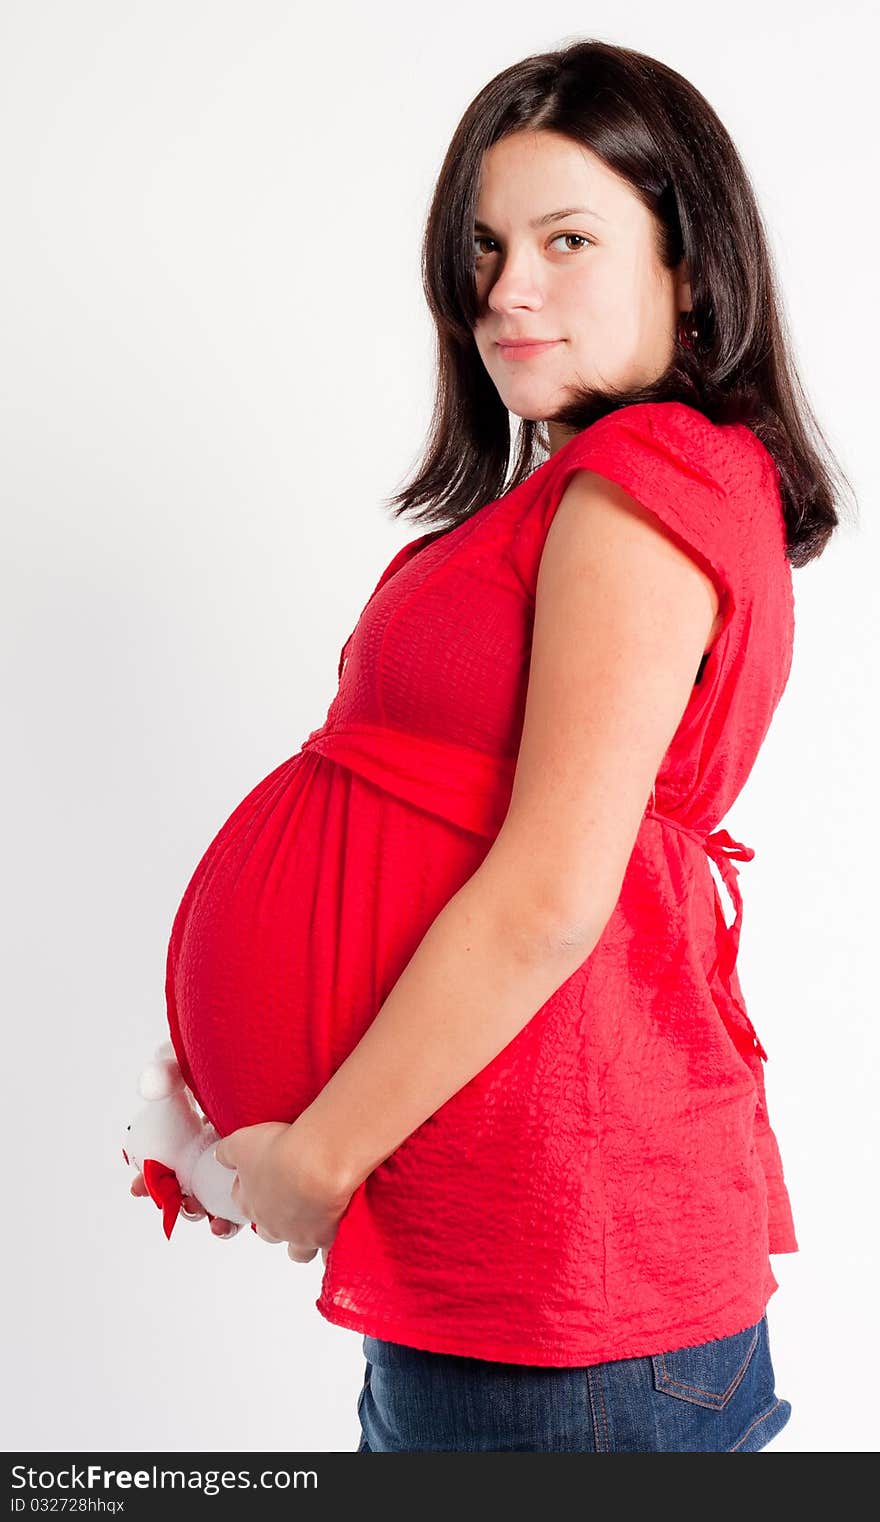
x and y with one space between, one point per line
191 1210
280 1186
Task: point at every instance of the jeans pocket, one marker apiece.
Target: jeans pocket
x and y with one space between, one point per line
710 1373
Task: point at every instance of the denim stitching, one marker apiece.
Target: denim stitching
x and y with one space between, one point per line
756 1423
597 1408
711 1394
605 1425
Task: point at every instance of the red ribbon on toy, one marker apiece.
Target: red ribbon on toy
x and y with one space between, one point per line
163 1187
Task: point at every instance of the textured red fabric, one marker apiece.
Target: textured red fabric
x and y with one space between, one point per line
609 1186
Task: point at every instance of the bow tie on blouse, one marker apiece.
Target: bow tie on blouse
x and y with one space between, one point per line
724 850
472 789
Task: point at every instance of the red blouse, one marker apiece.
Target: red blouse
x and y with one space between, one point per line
608 1186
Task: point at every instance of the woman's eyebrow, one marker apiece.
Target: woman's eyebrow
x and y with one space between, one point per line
551 216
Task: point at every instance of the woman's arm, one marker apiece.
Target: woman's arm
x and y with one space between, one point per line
474 981
622 617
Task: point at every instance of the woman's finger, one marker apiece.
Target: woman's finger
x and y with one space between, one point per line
266 1236
191 1209
299 1256
139 1187
222 1228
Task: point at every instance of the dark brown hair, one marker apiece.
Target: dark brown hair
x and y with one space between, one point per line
656 131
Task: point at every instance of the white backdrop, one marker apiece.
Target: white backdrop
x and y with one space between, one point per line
216 362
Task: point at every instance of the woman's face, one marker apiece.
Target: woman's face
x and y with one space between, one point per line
591 280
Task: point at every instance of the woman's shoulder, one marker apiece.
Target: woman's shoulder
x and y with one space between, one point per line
728 458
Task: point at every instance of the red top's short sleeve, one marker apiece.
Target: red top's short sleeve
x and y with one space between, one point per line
677 466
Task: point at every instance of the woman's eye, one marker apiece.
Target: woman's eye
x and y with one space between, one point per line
584 242
577 237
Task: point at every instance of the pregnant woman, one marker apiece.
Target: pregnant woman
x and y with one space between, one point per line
455 981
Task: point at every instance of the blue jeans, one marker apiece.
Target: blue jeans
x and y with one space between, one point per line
718 1397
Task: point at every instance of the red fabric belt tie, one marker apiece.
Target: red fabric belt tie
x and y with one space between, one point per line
723 849
464 786
472 789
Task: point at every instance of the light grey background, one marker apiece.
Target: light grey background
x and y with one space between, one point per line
216 362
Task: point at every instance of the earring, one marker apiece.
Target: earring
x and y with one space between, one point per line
688 332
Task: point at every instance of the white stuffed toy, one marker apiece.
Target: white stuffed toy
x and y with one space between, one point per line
172 1144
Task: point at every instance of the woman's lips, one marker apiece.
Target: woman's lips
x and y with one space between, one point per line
526 350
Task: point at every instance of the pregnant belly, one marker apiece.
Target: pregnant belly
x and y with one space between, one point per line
296 924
